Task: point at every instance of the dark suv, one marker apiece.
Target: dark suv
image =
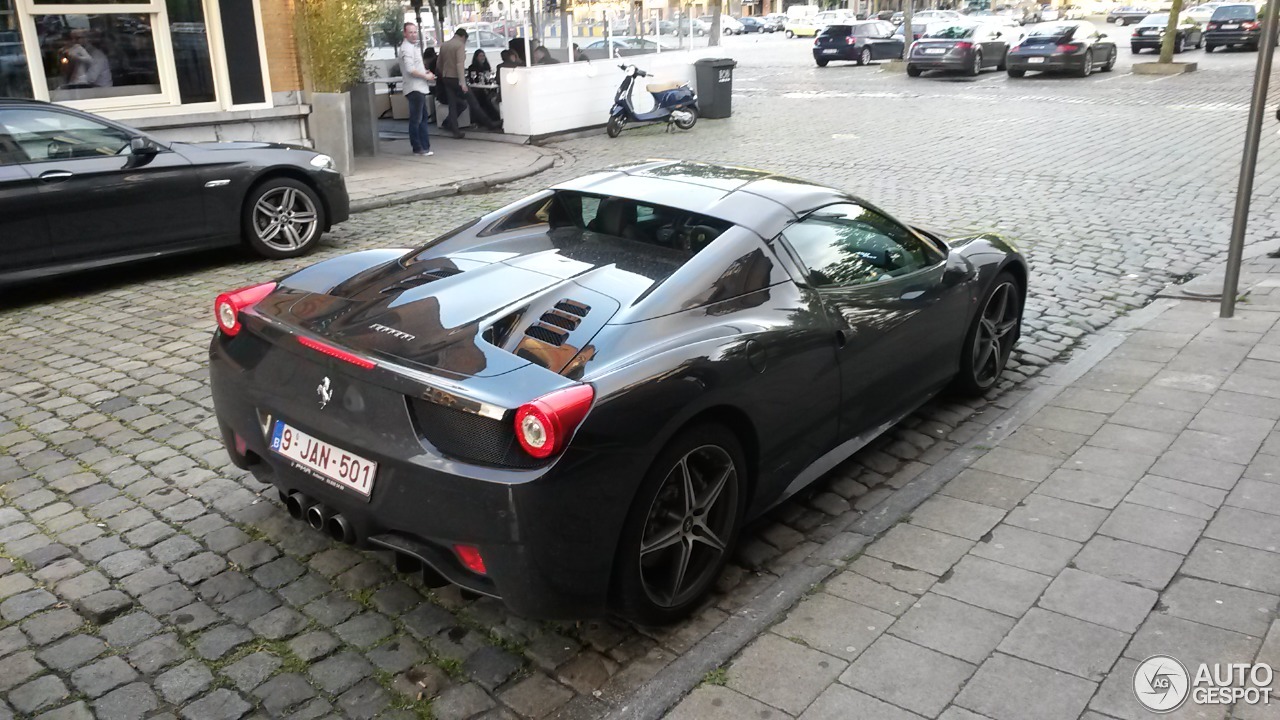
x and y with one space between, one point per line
1233 25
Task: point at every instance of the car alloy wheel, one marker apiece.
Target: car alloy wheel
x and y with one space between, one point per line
991 337
689 526
1087 69
790 34
1119 22
864 57
283 218
1181 45
975 68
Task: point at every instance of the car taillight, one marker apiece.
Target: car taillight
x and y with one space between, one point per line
227 307
1213 26
1067 47
471 558
336 353
543 426
849 40
817 41
962 45
1249 25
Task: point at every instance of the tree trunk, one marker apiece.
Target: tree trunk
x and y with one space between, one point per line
715 23
1170 33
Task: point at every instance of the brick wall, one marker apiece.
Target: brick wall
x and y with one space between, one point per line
282 51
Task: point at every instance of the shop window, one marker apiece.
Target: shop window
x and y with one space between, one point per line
98 56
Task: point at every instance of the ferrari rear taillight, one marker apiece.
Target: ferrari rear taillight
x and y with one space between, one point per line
471 558
226 309
337 353
544 426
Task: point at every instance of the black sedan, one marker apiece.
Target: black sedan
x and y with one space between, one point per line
1233 25
861 42
1076 47
78 191
1149 34
967 47
1122 16
754 25
575 402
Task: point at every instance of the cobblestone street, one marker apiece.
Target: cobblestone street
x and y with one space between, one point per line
142 575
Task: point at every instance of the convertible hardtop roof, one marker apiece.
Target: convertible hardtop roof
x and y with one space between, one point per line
760 201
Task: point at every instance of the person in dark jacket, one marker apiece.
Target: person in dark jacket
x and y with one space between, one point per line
453 76
480 73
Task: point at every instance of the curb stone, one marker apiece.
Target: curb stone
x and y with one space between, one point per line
540 165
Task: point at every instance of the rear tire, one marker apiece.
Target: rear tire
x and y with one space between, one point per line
864 57
615 125
992 334
1087 68
715 465
1016 73
913 71
1209 48
1180 44
1111 61
282 218
687 124
790 34
1119 22
822 62
975 68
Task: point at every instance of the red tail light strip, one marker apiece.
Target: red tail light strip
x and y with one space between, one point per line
337 353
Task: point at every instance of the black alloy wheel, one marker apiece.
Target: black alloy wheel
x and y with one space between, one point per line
1087 68
1180 44
683 525
991 337
975 67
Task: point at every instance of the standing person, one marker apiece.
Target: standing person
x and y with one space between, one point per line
416 88
453 76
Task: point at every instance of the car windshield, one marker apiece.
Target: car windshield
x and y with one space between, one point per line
1154 20
950 32
1235 12
1051 29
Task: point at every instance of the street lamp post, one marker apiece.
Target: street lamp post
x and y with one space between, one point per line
1244 191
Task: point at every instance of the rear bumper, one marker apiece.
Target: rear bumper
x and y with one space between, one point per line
1050 63
1232 37
949 61
1146 43
841 53
547 536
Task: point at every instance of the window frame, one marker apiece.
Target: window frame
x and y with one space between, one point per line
937 249
166 60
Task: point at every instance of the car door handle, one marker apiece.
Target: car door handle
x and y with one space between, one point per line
54 176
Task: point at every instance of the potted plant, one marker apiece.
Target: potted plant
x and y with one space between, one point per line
332 36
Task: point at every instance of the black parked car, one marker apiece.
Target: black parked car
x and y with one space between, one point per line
1122 16
78 191
1149 34
754 25
1236 25
861 42
1074 46
575 402
968 47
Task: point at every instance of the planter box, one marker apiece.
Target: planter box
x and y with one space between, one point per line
330 126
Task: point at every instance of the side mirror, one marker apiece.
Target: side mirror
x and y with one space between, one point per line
142 146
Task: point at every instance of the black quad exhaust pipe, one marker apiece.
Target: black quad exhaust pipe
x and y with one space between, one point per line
318 516
339 529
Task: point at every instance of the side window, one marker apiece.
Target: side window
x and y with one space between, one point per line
51 135
590 208
847 244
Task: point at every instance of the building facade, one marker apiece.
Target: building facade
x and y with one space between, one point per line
180 69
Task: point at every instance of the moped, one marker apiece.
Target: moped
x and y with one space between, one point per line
674 102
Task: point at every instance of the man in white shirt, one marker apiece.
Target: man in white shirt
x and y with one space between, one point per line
416 76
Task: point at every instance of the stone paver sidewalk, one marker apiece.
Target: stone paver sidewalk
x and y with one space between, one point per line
1137 513
397 176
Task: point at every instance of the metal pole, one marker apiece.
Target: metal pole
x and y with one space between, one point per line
1244 192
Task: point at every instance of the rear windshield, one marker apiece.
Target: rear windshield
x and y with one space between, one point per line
837 30
1154 20
950 32
1235 12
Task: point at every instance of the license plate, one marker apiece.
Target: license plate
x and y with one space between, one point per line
1230 27
1035 60
331 464
830 51
934 51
